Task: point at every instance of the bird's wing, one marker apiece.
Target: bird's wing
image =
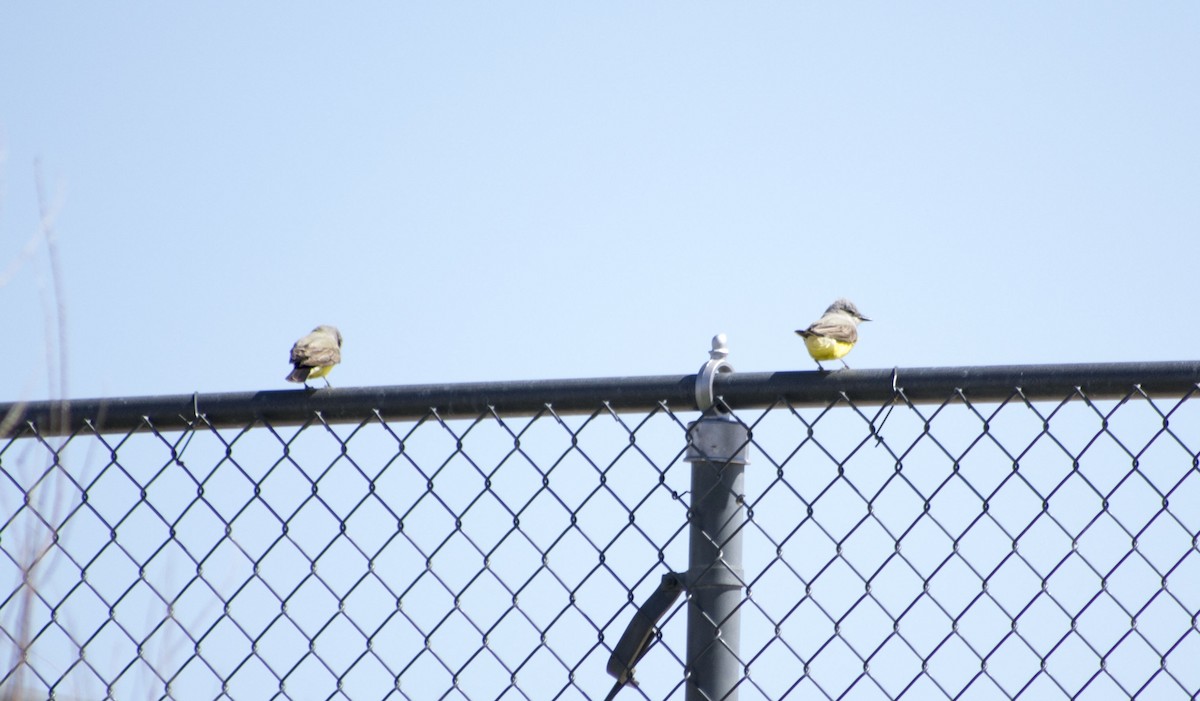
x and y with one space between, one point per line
835 328
316 351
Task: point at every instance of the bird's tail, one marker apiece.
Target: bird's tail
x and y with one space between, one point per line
299 374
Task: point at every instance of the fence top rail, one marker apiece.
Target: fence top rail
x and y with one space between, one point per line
583 396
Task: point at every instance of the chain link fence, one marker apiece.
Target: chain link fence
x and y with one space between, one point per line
959 533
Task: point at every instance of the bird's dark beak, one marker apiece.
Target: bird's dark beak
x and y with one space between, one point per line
863 318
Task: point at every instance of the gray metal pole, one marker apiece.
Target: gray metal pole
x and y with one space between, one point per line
717 450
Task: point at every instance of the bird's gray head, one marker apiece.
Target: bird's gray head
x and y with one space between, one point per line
845 306
326 328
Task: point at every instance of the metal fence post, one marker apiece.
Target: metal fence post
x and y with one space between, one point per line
718 450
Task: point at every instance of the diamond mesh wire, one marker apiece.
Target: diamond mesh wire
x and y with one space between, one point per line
1013 549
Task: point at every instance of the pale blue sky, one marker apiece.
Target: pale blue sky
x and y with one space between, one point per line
490 191
496 191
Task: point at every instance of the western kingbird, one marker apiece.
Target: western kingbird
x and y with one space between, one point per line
315 355
833 335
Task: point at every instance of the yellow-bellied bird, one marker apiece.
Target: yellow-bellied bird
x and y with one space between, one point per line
315 355
833 335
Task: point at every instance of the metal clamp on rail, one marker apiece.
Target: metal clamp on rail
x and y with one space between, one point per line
716 363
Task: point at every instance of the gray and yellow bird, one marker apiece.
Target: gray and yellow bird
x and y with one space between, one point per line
315 355
833 335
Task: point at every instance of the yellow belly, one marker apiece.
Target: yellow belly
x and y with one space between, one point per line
821 348
323 370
